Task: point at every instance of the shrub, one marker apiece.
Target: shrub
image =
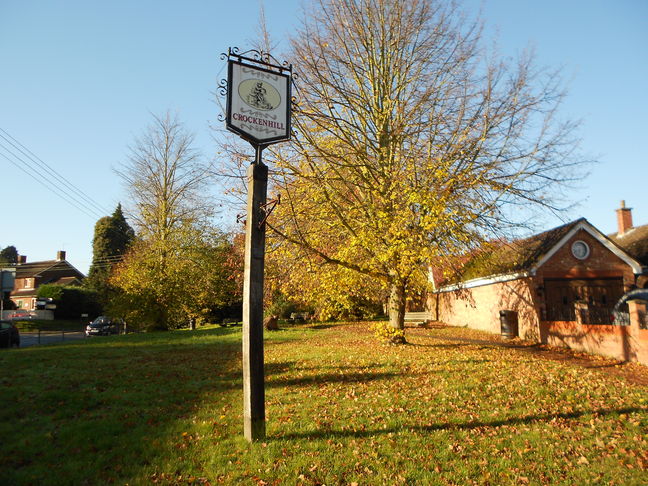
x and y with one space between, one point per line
71 301
386 333
281 306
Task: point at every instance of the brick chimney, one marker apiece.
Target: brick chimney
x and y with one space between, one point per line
60 256
624 219
22 259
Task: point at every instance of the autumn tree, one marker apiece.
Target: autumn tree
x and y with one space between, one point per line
167 182
166 179
197 282
297 280
412 145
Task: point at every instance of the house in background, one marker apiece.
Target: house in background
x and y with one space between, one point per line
634 240
30 276
559 287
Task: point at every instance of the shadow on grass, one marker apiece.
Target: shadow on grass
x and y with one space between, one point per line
456 342
529 419
327 378
73 410
534 349
468 361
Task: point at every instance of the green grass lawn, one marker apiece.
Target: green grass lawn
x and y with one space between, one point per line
166 408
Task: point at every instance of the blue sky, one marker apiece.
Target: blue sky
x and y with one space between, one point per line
80 79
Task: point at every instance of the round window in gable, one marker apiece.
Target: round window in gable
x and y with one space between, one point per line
580 249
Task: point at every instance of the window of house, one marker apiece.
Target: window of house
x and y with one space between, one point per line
29 283
580 249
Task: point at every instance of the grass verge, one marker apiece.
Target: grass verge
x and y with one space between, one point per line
165 408
52 325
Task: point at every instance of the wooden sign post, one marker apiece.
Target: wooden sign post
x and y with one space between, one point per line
253 376
258 110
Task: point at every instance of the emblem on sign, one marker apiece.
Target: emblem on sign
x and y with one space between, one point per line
259 95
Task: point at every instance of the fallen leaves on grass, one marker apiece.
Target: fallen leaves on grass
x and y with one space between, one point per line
176 479
452 405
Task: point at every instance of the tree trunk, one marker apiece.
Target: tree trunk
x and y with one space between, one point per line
397 311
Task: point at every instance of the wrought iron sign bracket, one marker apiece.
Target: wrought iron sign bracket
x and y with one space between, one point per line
257 57
267 209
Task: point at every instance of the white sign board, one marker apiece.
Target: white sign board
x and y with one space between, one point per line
258 104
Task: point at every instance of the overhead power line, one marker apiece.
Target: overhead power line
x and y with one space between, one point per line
50 187
47 176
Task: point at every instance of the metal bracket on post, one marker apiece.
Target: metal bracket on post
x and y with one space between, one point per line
267 209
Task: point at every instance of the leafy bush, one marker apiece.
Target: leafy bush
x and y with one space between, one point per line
71 301
280 306
386 333
231 313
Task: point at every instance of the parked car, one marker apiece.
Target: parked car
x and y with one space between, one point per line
22 315
9 335
103 326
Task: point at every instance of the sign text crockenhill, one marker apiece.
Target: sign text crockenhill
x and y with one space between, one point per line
258 104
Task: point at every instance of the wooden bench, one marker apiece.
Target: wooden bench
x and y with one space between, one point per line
417 317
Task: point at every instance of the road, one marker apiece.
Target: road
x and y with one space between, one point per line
49 337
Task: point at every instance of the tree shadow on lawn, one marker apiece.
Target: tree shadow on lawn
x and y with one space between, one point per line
459 341
109 411
541 351
94 412
105 398
326 378
529 419
453 346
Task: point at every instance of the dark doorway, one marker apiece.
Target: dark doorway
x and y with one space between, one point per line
598 295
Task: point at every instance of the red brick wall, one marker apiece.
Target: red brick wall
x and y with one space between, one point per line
479 307
601 263
625 343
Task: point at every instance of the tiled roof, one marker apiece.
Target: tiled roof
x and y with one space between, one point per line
25 270
66 280
55 268
508 257
634 242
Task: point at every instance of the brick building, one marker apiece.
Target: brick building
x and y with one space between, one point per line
560 286
30 276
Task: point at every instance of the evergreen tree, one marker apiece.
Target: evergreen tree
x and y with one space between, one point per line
112 238
8 255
